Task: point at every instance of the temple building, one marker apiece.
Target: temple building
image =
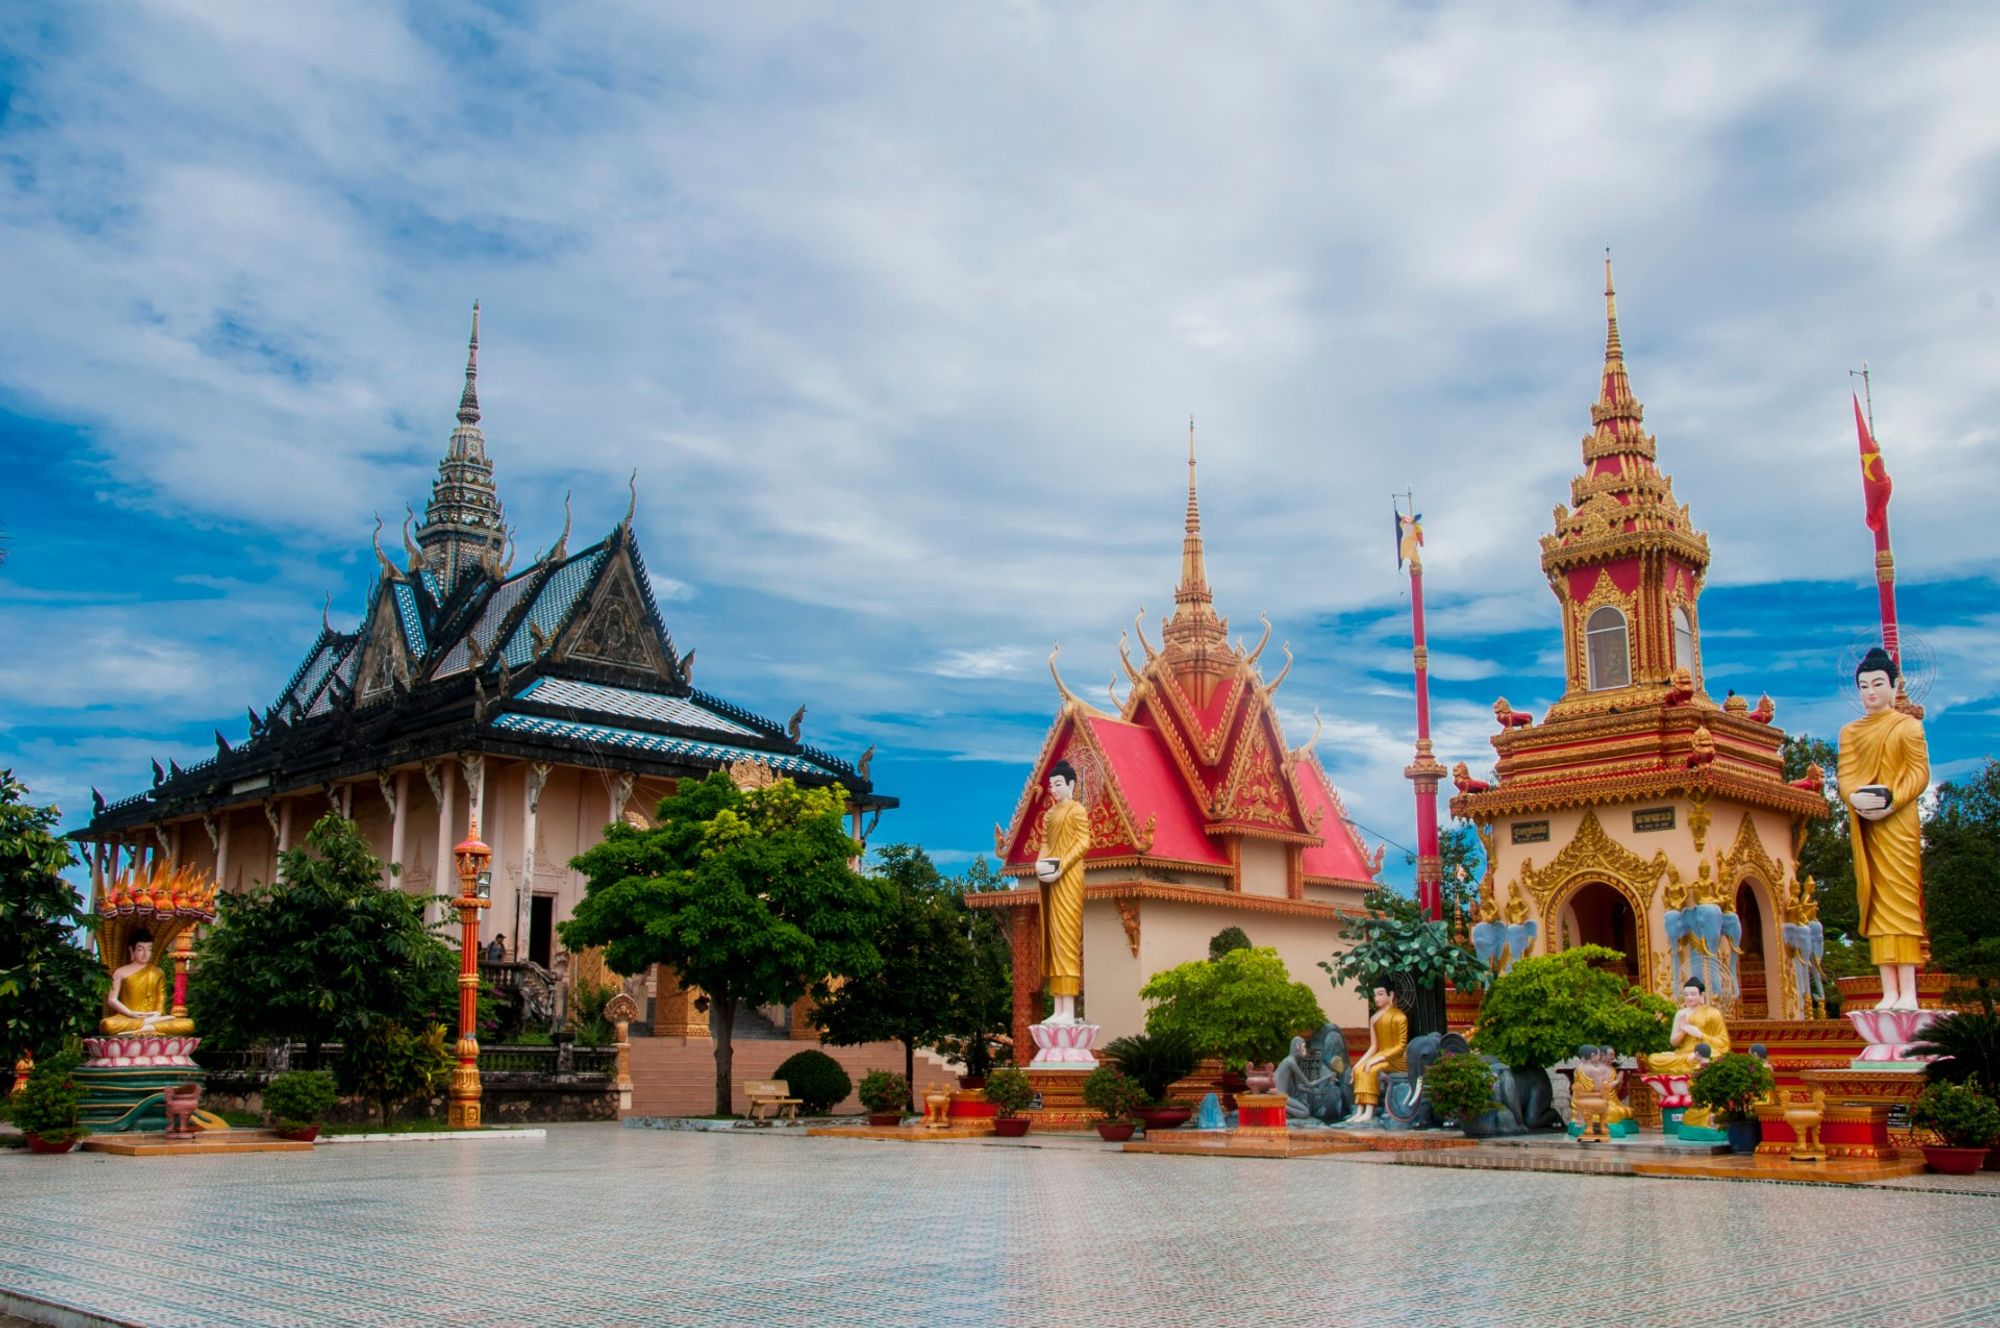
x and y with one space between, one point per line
1640 813
1201 818
551 699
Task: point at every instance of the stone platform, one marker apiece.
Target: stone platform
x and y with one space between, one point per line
904 1134
1229 1143
207 1144
1738 1166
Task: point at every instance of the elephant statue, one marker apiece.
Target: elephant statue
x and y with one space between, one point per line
1520 939
1704 930
1317 1080
1806 943
1732 933
1675 921
1489 942
1404 1106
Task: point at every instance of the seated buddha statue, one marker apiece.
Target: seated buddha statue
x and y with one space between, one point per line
1607 1073
1695 1023
137 1002
1388 1053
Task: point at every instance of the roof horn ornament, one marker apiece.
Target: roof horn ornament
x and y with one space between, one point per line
389 572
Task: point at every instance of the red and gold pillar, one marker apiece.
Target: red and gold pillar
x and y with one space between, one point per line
475 887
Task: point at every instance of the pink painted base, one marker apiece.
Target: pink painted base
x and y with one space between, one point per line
1671 1089
136 1049
1889 1033
1063 1046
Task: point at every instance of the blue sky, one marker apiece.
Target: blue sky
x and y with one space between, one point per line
900 313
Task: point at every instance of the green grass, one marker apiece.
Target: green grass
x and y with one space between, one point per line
428 1126
242 1120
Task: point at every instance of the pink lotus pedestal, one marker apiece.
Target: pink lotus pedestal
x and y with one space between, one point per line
1889 1034
1063 1046
141 1050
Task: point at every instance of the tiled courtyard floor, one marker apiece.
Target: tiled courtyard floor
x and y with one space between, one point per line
602 1225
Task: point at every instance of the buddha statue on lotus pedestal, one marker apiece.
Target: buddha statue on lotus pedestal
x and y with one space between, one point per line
1696 1023
1884 769
137 1001
1061 1041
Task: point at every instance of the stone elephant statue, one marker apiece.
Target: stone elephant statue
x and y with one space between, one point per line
1704 933
1499 944
1732 934
1805 944
1404 1106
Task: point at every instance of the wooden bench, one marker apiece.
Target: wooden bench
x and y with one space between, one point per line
770 1095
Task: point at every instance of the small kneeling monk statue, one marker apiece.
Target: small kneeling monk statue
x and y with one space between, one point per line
1388 1045
137 1001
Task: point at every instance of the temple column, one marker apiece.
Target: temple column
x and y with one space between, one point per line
222 849
96 873
398 794
439 774
674 1012
531 787
1024 938
474 765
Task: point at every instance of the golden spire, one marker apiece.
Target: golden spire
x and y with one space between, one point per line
1617 412
1194 627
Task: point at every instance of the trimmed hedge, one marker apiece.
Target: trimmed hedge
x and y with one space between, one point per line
816 1080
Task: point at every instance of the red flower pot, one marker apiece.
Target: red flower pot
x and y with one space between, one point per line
971 1081
1163 1118
1993 1158
1948 1161
37 1144
885 1119
1011 1127
1115 1132
305 1136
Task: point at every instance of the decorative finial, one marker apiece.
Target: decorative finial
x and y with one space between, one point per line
410 549
325 612
468 401
561 549
632 505
389 572
1061 687
1613 348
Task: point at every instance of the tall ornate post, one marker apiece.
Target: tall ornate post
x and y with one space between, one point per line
1425 772
475 887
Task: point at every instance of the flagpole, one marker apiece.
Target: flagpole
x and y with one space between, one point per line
1885 559
1425 772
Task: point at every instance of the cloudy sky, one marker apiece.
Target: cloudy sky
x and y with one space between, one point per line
900 312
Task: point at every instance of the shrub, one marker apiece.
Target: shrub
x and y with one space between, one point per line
1963 1117
816 1080
48 1106
586 1007
1967 1045
1009 1091
1229 938
883 1091
1541 1010
299 1099
391 1064
1243 1005
1460 1087
1731 1084
1112 1092
1156 1060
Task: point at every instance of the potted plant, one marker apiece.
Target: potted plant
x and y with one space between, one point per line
884 1093
1115 1094
47 1109
1732 1085
1964 1118
1965 1049
1157 1061
1010 1093
297 1103
1460 1088
1241 1006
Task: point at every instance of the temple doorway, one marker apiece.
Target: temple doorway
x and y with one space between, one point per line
1755 999
541 928
1597 914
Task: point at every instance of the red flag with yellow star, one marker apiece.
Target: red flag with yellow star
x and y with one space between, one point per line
1875 484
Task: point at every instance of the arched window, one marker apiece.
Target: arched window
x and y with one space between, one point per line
1604 647
1683 639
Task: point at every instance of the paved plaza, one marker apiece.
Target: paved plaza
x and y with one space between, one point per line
603 1225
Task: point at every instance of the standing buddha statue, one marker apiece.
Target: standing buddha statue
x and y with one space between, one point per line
1059 869
1884 768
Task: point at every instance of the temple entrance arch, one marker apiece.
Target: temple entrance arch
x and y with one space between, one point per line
1760 956
1600 913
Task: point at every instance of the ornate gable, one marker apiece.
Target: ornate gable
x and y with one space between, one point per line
1114 829
617 625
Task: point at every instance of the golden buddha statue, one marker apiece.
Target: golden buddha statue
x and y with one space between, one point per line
1065 839
1696 1023
137 1001
1388 1044
1884 768
1590 1098
1608 1074
1676 895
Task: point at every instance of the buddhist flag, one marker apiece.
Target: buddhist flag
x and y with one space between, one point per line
1875 483
1409 535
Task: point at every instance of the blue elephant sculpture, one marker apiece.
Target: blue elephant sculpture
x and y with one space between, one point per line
1805 942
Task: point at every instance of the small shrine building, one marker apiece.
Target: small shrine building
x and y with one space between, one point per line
1201 818
551 699
1639 803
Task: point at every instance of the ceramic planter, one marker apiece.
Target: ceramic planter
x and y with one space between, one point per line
1011 1127
304 1135
1163 1118
1993 1158
1115 1132
1744 1135
37 1144
885 1119
1949 1161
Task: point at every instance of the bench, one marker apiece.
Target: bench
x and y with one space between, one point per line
768 1095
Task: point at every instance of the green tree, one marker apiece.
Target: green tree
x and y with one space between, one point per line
51 989
1463 864
1395 946
1826 856
323 954
746 894
1541 1010
924 937
1962 876
392 1064
1242 1006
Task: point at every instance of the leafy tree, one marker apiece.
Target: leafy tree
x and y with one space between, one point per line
1541 1010
1962 877
1395 946
1243 1006
981 876
1965 1045
746 894
323 954
51 989
1827 856
1460 858
1229 938
928 974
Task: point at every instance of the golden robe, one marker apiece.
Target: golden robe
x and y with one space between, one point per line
1704 1024
146 992
1888 748
1392 1040
1066 838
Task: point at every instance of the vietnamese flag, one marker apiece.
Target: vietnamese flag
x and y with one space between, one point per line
1875 482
